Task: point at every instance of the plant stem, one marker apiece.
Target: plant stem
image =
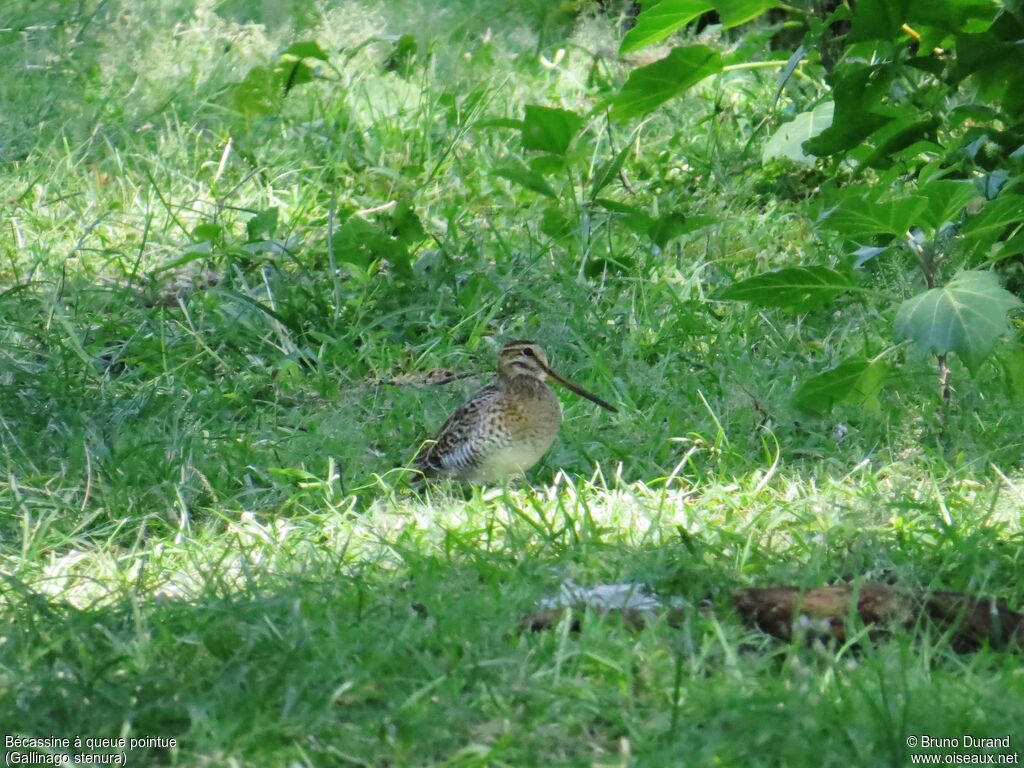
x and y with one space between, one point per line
944 379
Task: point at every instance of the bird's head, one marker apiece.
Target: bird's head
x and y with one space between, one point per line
526 358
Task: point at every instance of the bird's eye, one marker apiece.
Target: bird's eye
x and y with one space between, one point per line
528 352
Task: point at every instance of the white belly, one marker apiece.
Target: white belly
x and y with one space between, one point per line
511 460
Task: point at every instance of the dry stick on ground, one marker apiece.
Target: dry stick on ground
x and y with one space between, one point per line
822 614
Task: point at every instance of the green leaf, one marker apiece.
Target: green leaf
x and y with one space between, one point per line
861 216
671 225
878 19
883 19
787 142
859 92
403 55
982 231
660 20
953 16
406 226
306 49
263 89
966 316
547 164
992 59
258 94
548 129
736 12
516 171
854 380
661 230
608 171
893 137
208 232
649 87
946 201
799 288
262 226
555 224
1013 370
361 244
633 218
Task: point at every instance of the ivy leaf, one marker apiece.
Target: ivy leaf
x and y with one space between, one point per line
855 380
799 288
787 142
548 129
966 316
649 87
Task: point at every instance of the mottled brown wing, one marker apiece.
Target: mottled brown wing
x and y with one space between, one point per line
455 448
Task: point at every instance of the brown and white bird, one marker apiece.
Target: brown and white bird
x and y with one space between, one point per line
505 427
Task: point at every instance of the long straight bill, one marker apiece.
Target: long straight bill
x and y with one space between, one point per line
580 391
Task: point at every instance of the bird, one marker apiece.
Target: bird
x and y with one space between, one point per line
505 427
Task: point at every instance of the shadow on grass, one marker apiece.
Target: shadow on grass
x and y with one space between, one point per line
420 661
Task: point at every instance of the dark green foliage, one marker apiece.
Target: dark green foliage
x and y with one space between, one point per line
902 66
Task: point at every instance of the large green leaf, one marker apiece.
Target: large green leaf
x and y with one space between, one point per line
992 59
660 20
882 147
736 12
854 380
859 216
966 316
946 201
649 87
787 142
860 92
549 129
799 288
878 19
884 19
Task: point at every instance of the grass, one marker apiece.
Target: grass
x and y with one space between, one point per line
203 532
